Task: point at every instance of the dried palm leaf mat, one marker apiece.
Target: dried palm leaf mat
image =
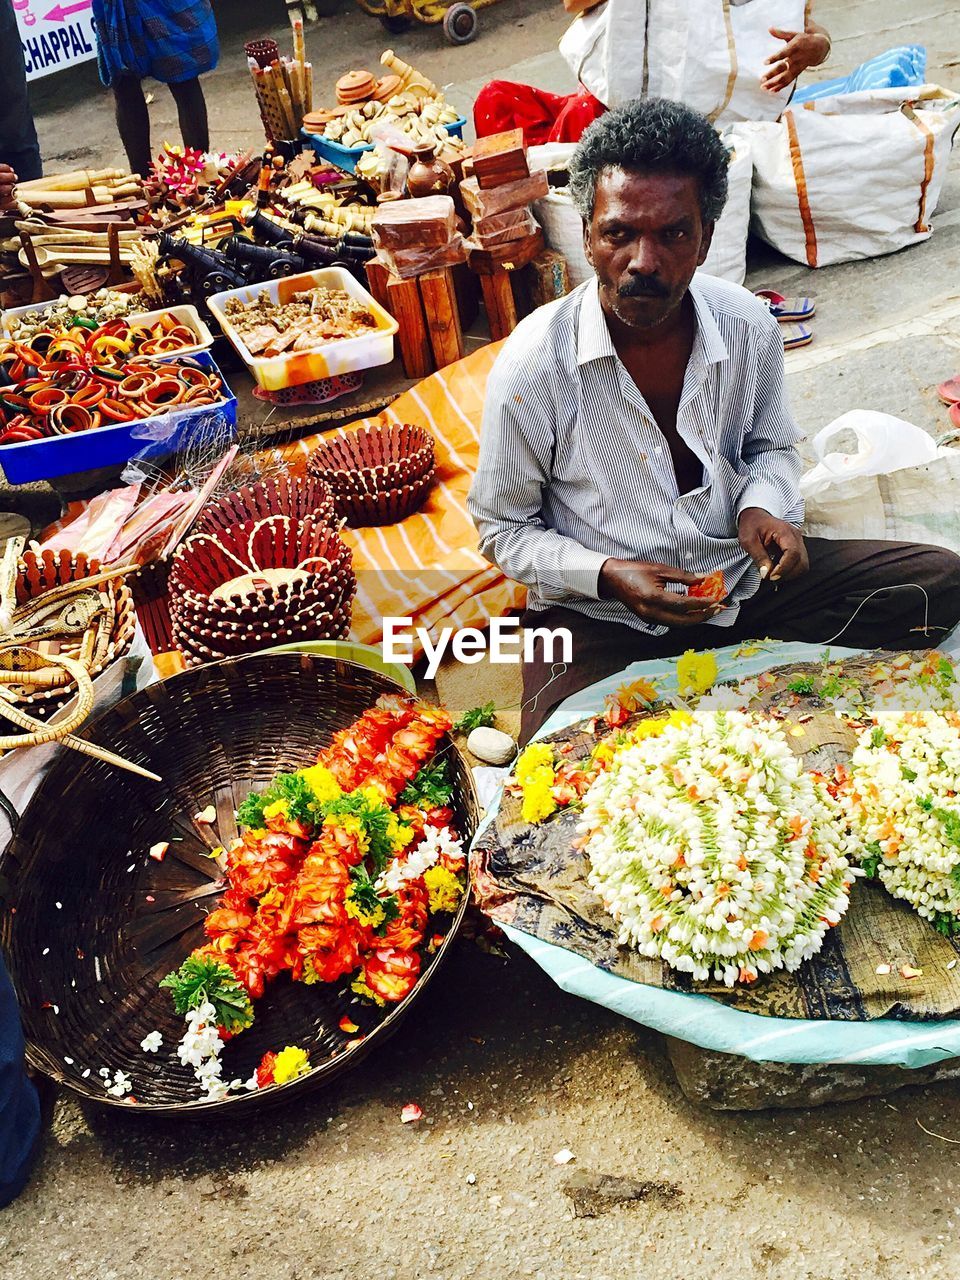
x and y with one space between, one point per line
535 879
97 922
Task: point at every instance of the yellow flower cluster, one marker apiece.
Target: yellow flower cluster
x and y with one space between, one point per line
291 1062
322 783
538 799
532 757
443 887
279 809
400 834
696 672
653 728
357 910
604 752
536 777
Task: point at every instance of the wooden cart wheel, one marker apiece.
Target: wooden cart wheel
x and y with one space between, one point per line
460 23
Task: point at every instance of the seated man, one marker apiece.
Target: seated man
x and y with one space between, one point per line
636 438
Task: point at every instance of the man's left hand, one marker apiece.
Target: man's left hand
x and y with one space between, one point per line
802 49
775 547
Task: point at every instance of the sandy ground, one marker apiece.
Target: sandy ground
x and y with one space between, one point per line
508 1069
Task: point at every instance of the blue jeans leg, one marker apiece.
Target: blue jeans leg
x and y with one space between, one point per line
19 1104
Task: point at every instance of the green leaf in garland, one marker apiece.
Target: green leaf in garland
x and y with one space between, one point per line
377 820
802 684
203 980
871 864
430 789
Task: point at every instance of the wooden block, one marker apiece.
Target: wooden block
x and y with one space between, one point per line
508 257
427 222
410 263
403 303
550 277
442 315
484 203
500 158
500 306
377 276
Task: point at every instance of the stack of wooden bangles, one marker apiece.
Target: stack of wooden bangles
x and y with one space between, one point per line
76 387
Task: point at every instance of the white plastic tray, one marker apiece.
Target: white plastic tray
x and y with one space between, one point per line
343 355
187 315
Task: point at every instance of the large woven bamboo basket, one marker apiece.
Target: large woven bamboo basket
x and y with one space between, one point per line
90 923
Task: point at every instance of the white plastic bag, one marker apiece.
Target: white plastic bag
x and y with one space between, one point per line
563 229
890 485
854 176
709 54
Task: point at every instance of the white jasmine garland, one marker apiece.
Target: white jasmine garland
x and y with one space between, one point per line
436 843
902 800
723 697
715 850
200 1048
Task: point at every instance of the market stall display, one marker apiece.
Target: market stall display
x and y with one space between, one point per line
82 406
217 735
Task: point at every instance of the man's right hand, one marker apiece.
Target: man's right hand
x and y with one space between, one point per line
643 588
8 180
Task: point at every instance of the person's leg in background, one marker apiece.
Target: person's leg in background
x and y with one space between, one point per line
192 114
861 594
19 1103
19 147
133 122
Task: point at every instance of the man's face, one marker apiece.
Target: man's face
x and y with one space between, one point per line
645 240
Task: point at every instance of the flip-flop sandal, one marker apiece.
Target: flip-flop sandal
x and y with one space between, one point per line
949 391
787 309
795 335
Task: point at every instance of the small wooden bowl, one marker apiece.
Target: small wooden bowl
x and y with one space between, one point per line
389 506
373 459
280 495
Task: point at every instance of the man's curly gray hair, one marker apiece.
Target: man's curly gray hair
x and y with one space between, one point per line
652 135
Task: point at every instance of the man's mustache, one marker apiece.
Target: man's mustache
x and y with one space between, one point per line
643 287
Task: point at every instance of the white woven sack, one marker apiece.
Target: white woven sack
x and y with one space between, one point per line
710 54
854 176
563 229
894 484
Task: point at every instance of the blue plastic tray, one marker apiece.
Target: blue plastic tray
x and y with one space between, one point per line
346 158
104 446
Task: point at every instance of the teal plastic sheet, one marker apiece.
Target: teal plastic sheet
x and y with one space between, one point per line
702 1020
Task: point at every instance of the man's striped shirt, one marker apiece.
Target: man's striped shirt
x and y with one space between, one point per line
573 468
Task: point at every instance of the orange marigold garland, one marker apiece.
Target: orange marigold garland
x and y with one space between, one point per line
338 871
